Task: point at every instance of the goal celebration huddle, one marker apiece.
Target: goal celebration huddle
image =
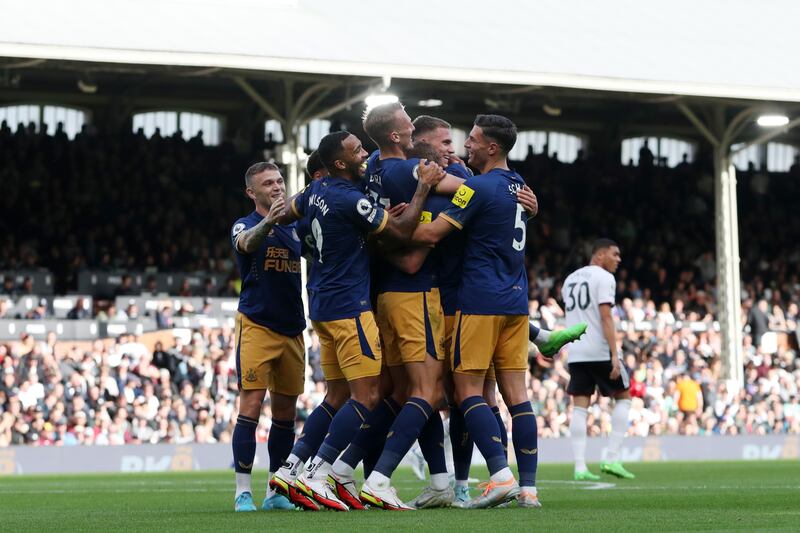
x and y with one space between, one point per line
418 290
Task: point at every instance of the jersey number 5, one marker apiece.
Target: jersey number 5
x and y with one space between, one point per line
519 223
583 299
316 230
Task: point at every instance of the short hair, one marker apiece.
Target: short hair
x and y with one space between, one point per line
313 164
258 168
498 128
423 150
425 124
601 244
379 121
330 149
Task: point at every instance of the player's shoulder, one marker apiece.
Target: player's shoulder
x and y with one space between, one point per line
396 168
245 222
458 170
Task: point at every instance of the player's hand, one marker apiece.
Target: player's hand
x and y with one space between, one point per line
615 370
453 158
276 210
430 173
397 210
528 200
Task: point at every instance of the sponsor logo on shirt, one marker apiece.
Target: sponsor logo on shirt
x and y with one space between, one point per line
462 196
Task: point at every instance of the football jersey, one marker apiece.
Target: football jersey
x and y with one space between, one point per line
340 216
393 181
270 294
494 280
583 292
449 252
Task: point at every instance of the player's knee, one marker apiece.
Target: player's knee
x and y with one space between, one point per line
250 403
338 393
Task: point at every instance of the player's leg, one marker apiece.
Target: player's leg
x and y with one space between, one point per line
243 443
460 439
490 395
581 387
421 339
511 365
473 346
359 358
252 355
619 389
286 383
551 342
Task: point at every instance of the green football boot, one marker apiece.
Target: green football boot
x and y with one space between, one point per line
561 337
616 469
585 475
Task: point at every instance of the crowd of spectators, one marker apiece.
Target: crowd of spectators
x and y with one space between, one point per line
126 202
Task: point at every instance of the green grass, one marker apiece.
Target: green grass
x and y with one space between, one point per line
717 496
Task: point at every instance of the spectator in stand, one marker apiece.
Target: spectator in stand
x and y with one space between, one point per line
80 311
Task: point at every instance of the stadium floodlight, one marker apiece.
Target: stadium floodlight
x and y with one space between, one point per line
430 102
772 120
375 100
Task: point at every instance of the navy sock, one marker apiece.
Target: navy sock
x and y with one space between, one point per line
482 425
462 443
431 442
525 436
372 434
405 430
343 427
533 332
314 431
280 442
244 444
502 427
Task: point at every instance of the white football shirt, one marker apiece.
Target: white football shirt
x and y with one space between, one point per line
583 292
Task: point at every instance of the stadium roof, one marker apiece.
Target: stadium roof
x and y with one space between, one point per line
715 48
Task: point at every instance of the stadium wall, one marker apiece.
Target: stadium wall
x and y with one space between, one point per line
171 457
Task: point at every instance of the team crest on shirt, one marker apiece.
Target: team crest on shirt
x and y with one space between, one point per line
462 196
250 376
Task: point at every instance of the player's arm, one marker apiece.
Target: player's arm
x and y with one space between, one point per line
407 260
528 200
430 234
249 240
449 184
402 226
610 334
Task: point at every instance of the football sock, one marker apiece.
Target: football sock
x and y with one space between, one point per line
244 451
619 426
501 426
280 442
462 444
577 431
373 452
370 436
431 442
343 427
401 436
314 431
537 335
525 436
482 425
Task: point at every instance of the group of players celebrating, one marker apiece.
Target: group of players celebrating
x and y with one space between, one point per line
418 291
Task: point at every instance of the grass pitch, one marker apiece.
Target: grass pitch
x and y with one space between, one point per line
716 496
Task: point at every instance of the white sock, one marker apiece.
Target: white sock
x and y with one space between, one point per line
291 467
529 490
462 483
243 483
619 426
577 431
343 470
440 481
542 338
319 469
502 476
378 481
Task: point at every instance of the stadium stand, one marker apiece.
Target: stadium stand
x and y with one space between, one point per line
161 261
